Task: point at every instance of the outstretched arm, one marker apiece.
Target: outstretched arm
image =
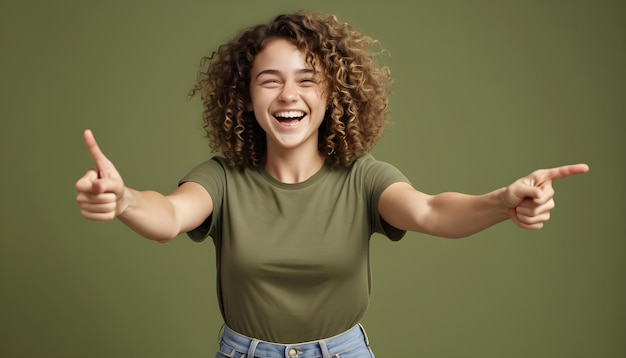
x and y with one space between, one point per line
102 196
528 202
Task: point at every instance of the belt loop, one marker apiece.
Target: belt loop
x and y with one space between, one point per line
324 348
252 348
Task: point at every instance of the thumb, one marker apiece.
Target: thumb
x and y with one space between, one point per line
519 191
103 165
107 185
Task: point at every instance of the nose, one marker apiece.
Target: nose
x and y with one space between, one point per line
289 93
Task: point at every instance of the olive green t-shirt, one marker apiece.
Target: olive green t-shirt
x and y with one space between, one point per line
293 259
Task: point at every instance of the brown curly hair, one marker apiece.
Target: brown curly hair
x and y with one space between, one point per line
357 88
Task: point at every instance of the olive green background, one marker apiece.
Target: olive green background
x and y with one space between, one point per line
484 92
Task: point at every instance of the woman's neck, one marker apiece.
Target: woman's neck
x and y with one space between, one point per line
293 166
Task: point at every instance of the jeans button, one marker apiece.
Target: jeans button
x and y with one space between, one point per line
292 352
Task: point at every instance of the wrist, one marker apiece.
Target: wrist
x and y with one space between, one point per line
124 202
502 206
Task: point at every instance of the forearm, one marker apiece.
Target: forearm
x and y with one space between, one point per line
150 214
456 215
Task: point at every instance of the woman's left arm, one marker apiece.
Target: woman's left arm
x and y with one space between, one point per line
527 201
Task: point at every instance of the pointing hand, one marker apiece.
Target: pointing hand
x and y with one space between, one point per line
531 198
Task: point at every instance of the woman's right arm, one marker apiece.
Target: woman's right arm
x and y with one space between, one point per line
102 196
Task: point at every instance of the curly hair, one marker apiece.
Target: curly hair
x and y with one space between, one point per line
357 88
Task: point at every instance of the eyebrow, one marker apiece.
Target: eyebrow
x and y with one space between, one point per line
276 72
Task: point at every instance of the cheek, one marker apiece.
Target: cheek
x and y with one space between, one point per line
321 100
255 103
324 97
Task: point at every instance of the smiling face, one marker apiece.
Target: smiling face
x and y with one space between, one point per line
288 97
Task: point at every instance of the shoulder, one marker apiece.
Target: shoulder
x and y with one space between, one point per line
368 165
212 170
368 174
213 165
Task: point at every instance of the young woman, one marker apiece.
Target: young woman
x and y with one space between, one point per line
293 107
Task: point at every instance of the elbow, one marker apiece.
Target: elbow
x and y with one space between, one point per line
455 236
161 239
447 234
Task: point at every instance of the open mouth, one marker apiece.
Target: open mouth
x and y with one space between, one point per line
290 118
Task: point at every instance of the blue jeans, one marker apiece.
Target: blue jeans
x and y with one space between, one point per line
351 344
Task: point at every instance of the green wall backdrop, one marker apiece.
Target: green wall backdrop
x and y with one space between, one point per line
485 92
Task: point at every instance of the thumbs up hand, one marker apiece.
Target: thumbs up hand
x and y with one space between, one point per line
100 190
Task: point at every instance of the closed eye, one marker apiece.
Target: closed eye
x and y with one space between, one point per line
270 83
308 82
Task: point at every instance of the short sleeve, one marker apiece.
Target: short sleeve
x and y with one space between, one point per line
211 174
378 176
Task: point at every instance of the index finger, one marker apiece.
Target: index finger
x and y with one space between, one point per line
563 171
101 161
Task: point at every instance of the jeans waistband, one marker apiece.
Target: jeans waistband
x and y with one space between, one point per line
325 348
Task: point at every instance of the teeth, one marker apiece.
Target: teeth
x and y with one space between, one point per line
290 114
